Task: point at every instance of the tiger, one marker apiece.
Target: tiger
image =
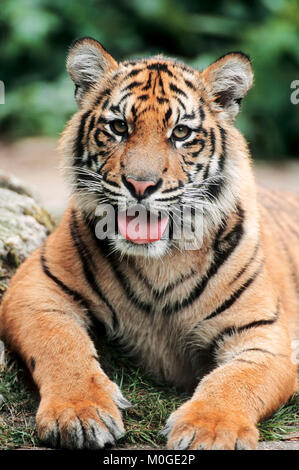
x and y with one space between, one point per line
211 309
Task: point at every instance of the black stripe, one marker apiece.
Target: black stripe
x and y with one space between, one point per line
131 86
223 152
32 364
108 190
167 116
213 189
169 190
105 104
102 120
86 259
177 90
102 95
115 109
124 282
212 144
134 112
202 114
201 129
186 68
78 148
91 158
214 346
148 83
90 125
189 84
192 142
76 296
190 116
126 95
197 152
168 199
187 162
159 294
235 296
161 86
160 68
133 73
231 331
144 97
107 134
181 104
199 167
246 266
112 183
162 100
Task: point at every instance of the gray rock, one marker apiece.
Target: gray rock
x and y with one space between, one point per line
2 355
24 225
278 445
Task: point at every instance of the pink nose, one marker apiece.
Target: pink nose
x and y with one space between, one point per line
140 186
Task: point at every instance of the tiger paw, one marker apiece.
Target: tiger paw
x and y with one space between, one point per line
89 423
197 426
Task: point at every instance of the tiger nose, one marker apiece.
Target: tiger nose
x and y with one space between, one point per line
140 185
140 188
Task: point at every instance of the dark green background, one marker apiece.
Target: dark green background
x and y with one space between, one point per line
35 35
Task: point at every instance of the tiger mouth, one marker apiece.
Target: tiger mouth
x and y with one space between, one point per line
146 227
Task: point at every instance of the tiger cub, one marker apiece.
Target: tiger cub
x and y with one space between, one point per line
167 242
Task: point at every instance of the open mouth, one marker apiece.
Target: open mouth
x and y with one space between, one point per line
145 227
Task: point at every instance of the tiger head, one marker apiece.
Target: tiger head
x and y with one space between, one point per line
157 137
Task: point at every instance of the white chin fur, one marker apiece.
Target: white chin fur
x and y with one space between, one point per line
150 250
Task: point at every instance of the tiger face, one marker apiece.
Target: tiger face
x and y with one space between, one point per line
152 150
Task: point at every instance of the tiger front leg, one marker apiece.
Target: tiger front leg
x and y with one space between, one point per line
254 379
80 406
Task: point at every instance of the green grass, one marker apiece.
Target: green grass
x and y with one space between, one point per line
17 422
152 405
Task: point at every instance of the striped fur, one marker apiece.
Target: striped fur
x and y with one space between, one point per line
218 320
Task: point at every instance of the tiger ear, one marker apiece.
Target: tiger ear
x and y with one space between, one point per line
87 63
227 81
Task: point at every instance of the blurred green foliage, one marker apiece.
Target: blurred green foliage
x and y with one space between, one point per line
35 35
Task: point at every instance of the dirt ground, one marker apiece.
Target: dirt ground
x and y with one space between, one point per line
36 162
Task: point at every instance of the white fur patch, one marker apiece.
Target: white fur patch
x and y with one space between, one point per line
86 64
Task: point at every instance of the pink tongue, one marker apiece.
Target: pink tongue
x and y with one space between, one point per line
141 229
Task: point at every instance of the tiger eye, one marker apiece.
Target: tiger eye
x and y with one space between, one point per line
181 132
119 127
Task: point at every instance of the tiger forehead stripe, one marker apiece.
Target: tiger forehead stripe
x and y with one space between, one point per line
160 68
132 85
153 78
177 90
